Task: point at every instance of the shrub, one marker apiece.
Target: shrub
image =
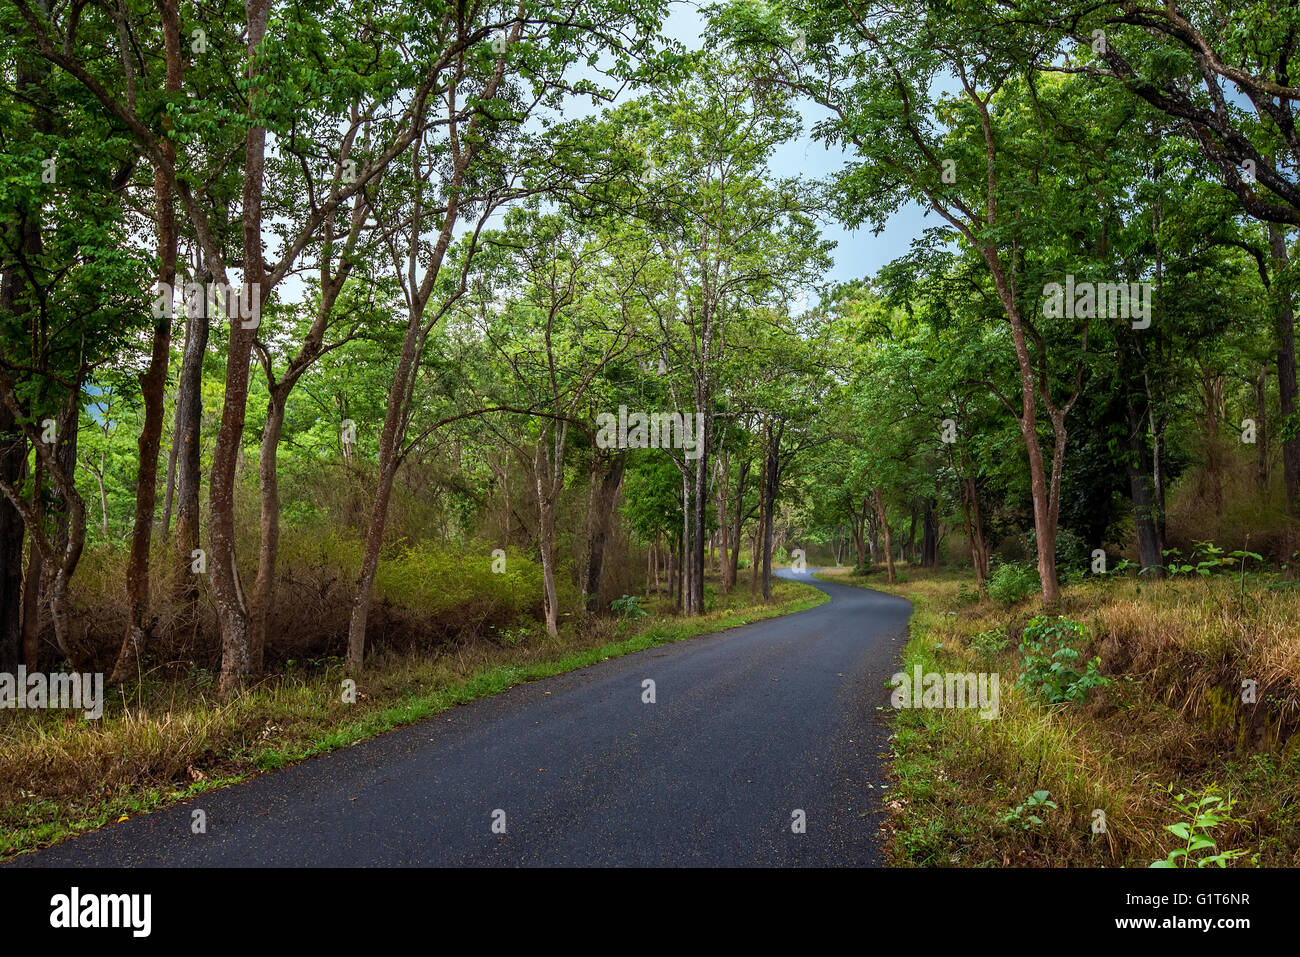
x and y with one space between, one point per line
628 607
1013 582
1202 814
1048 659
990 643
1209 559
1073 554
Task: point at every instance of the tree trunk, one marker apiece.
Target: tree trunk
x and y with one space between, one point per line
700 514
1261 431
884 524
546 542
393 434
759 533
724 567
153 391
598 524
670 573
31 625
1139 467
1286 370
169 483
739 524
770 483
1043 497
930 534
13 462
227 591
61 553
1155 424
1150 545
188 435
687 606
269 547
1211 481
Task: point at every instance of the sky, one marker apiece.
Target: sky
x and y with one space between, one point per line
857 253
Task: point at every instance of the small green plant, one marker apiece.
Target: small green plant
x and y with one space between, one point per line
1049 661
628 608
510 637
1209 558
1013 582
990 643
1203 813
967 595
1122 567
1023 814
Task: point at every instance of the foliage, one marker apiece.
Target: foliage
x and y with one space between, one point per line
1208 559
628 607
990 643
1024 814
1013 582
1202 813
1049 661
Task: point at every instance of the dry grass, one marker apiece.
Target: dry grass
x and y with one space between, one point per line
167 737
1176 654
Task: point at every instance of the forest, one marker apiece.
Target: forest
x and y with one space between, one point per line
423 349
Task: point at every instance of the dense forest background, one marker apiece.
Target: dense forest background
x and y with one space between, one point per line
308 316
419 349
447 279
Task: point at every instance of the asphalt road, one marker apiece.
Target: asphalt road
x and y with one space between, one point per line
748 726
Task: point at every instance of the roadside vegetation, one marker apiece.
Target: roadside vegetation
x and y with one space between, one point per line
427 347
170 738
1158 739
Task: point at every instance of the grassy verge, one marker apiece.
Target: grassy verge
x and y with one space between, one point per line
164 742
1169 721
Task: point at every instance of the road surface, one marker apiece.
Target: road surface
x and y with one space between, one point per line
748 727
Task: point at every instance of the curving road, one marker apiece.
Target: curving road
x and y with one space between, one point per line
748 726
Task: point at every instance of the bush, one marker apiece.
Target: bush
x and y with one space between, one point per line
628 607
1073 554
1049 657
990 643
1013 582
